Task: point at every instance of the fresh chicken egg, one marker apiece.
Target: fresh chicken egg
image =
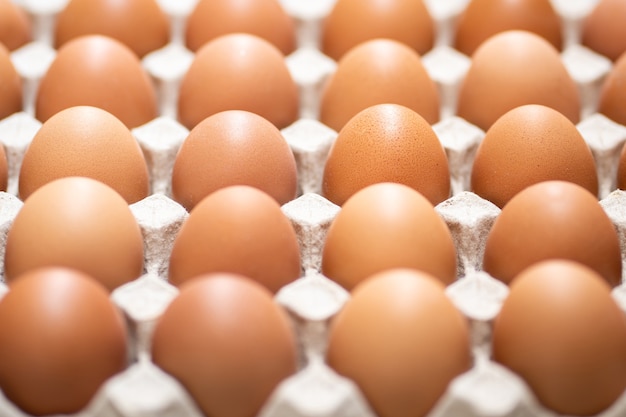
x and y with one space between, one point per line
613 93
603 29
15 25
10 85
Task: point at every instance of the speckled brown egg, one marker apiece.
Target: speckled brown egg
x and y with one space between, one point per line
264 18
386 143
613 93
15 25
61 338
563 333
511 69
79 223
603 29
238 72
96 70
401 340
376 72
351 22
548 220
527 145
139 24
384 226
10 85
233 147
237 229
482 19
90 142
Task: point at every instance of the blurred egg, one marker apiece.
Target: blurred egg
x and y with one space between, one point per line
613 93
15 25
238 72
376 72
139 24
603 29
386 143
264 18
61 338
351 22
90 142
237 229
527 145
511 69
10 85
227 342
621 170
96 70
401 340
482 19
553 219
563 333
384 226
233 147
79 223
4 169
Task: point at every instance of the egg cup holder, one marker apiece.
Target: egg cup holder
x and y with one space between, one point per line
486 390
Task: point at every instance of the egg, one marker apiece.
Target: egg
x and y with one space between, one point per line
238 72
79 223
482 19
514 68
613 93
15 25
96 70
376 72
237 229
139 24
233 147
10 85
621 170
61 339
227 342
85 141
386 143
384 226
603 29
553 219
527 145
401 340
351 22
562 332
264 18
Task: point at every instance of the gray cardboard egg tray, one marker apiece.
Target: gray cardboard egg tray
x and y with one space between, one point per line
487 390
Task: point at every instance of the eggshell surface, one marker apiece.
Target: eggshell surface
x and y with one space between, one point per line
401 340
603 29
10 85
226 340
15 25
384 226
61 339
561 330
613 93
386 143
553 219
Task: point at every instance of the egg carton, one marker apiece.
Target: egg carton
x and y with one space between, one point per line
486 390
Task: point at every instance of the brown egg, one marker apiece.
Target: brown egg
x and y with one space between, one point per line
139 24
401 340
61 338
4 169
384 226
15 25
484 18
377 72
237 229
79 223
561 330
264 18
90 142
527 145
603 29
613 93
553 219
386 143
621 170
351 22
228 343
96 70
238 72
511 69
234 147
10 85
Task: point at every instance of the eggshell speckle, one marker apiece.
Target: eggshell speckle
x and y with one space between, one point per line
603 29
